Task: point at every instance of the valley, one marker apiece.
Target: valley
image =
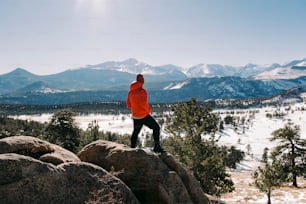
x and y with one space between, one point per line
250 133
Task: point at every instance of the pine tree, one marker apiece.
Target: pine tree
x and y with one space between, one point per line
187 125
269 177
265 155
232 156
249 149
62 130
91 134
93 127
291 149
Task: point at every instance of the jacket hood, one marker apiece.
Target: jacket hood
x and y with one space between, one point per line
135 85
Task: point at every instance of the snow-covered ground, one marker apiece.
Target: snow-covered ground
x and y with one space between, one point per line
122 124
245 192
256 132
251 135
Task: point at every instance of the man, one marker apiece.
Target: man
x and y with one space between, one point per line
137 102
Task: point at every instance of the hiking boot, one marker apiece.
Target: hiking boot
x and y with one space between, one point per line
133 145
158 149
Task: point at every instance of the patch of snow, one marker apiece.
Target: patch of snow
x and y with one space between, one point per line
49 90
281 73
176 85
303 63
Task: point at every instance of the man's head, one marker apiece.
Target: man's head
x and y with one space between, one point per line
140 78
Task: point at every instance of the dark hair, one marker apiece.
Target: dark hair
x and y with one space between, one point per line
140 78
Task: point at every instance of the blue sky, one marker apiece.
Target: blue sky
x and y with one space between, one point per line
50 36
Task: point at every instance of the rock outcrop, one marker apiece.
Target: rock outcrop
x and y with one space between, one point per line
37 148
30 181
36 171
152 178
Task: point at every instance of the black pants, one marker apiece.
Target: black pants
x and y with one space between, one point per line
150 123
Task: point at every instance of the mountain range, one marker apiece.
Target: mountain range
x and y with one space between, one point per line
167 83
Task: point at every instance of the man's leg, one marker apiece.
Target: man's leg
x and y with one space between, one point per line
152 124
137 127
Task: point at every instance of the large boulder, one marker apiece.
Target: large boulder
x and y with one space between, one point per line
153 178
26 180
37 148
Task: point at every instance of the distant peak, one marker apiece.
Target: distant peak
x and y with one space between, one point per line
131 61
19 71
250 65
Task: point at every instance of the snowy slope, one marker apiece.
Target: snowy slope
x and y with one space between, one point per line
257 131
292 70
210 70
133 66
283 73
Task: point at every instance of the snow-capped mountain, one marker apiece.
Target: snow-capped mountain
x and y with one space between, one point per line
167 83
292 70
213 70
133 66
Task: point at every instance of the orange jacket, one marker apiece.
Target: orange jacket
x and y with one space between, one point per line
137 101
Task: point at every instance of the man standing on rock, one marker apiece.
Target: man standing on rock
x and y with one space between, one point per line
137 102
